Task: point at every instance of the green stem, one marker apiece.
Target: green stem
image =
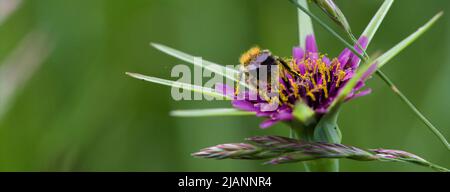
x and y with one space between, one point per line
380 74
413 108
306 133
322 165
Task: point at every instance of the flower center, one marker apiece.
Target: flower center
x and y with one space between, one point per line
318 79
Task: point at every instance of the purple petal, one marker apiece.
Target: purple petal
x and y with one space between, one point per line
359 85
363 41
263 114
268 107
326 61
348 75
311 46
244 105
344 57
360 94
267 123
321 110
298 53
284 116
369 72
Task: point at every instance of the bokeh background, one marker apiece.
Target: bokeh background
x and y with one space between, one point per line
76 110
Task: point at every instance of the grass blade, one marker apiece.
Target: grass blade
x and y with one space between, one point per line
376 21
227 72
185 86
386 57
304 23
213 67
210 112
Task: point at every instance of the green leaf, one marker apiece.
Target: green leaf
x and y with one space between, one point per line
304 24
195 88
210 112
386 57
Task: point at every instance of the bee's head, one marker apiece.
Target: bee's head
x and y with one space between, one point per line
248 56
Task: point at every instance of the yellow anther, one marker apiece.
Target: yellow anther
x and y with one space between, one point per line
282 87
324 86
329 76
311 95
313 80
284 98
295 87
341 76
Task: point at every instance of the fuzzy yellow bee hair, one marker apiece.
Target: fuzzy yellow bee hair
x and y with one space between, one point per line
248 56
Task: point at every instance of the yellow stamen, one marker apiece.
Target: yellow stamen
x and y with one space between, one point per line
324 86
313 80
341 76
311 95
295 87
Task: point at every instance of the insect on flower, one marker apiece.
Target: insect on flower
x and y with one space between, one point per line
308 76
259 67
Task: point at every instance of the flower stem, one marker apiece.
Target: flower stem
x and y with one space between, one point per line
413 108
322 165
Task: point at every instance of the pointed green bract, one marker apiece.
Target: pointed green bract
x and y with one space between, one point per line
195 88
386 57
351 84
304 114
376 21
223 71
208 65
304 24
327 129
210 112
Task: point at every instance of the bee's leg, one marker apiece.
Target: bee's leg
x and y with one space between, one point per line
288 68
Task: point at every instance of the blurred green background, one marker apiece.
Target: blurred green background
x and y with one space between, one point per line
80 112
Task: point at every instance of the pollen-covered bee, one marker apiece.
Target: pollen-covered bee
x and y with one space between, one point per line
251 63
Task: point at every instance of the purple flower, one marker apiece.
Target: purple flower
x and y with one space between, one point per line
317 83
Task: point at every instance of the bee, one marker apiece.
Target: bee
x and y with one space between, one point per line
255 58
